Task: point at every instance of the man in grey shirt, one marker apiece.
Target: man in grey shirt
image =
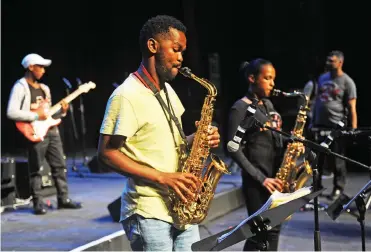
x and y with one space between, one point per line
336 98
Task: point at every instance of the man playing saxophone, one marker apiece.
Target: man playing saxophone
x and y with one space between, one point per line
142 138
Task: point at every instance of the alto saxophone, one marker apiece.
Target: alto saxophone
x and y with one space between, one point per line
195 209
294 170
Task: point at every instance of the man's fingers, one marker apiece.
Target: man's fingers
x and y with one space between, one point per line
64 104
185 189
214 143
180 194
191 182
214 136
212 129
192 178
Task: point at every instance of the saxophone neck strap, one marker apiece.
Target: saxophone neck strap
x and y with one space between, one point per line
143 75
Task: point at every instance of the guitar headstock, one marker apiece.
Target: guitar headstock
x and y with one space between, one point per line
87 86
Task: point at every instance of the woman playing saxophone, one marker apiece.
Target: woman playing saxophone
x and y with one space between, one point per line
260 148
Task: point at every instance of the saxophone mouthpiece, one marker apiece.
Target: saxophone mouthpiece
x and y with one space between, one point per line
186 71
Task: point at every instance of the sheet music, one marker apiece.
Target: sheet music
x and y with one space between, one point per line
277 198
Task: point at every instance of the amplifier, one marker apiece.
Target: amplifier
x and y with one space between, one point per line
8 183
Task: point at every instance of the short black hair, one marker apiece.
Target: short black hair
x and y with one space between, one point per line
338 54
159 24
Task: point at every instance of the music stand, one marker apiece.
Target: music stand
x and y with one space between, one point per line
359 199
320 150
253 226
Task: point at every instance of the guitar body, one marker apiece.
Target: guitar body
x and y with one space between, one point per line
36 131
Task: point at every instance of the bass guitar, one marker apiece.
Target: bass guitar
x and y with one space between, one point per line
36 131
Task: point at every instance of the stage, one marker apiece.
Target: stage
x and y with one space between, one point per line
70 229
92 228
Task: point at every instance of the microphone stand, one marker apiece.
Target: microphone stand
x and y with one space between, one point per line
317 234
83 127
343 205
75 135
320 150
359 198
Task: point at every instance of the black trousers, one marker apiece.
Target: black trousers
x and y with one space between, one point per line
255 197
337 165
50 150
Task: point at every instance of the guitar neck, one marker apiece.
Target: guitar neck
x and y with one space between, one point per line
68 99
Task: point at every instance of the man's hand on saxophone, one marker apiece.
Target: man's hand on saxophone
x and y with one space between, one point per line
108 153
180 183
213 136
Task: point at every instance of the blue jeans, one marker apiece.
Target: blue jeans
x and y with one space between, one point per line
156 235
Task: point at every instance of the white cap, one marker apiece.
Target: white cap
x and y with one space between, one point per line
35 59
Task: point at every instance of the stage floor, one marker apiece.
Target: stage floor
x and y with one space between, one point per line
64 230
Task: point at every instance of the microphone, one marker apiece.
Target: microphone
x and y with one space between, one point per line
234 144
334 133
67 82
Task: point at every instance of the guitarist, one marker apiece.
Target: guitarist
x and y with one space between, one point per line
26 99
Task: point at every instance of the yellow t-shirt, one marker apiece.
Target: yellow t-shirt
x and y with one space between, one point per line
133 111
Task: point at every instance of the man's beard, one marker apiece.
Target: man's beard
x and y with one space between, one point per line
164 74
330 67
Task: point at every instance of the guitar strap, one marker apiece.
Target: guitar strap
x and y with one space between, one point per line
24 97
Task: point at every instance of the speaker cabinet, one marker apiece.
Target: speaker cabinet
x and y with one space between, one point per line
8 184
